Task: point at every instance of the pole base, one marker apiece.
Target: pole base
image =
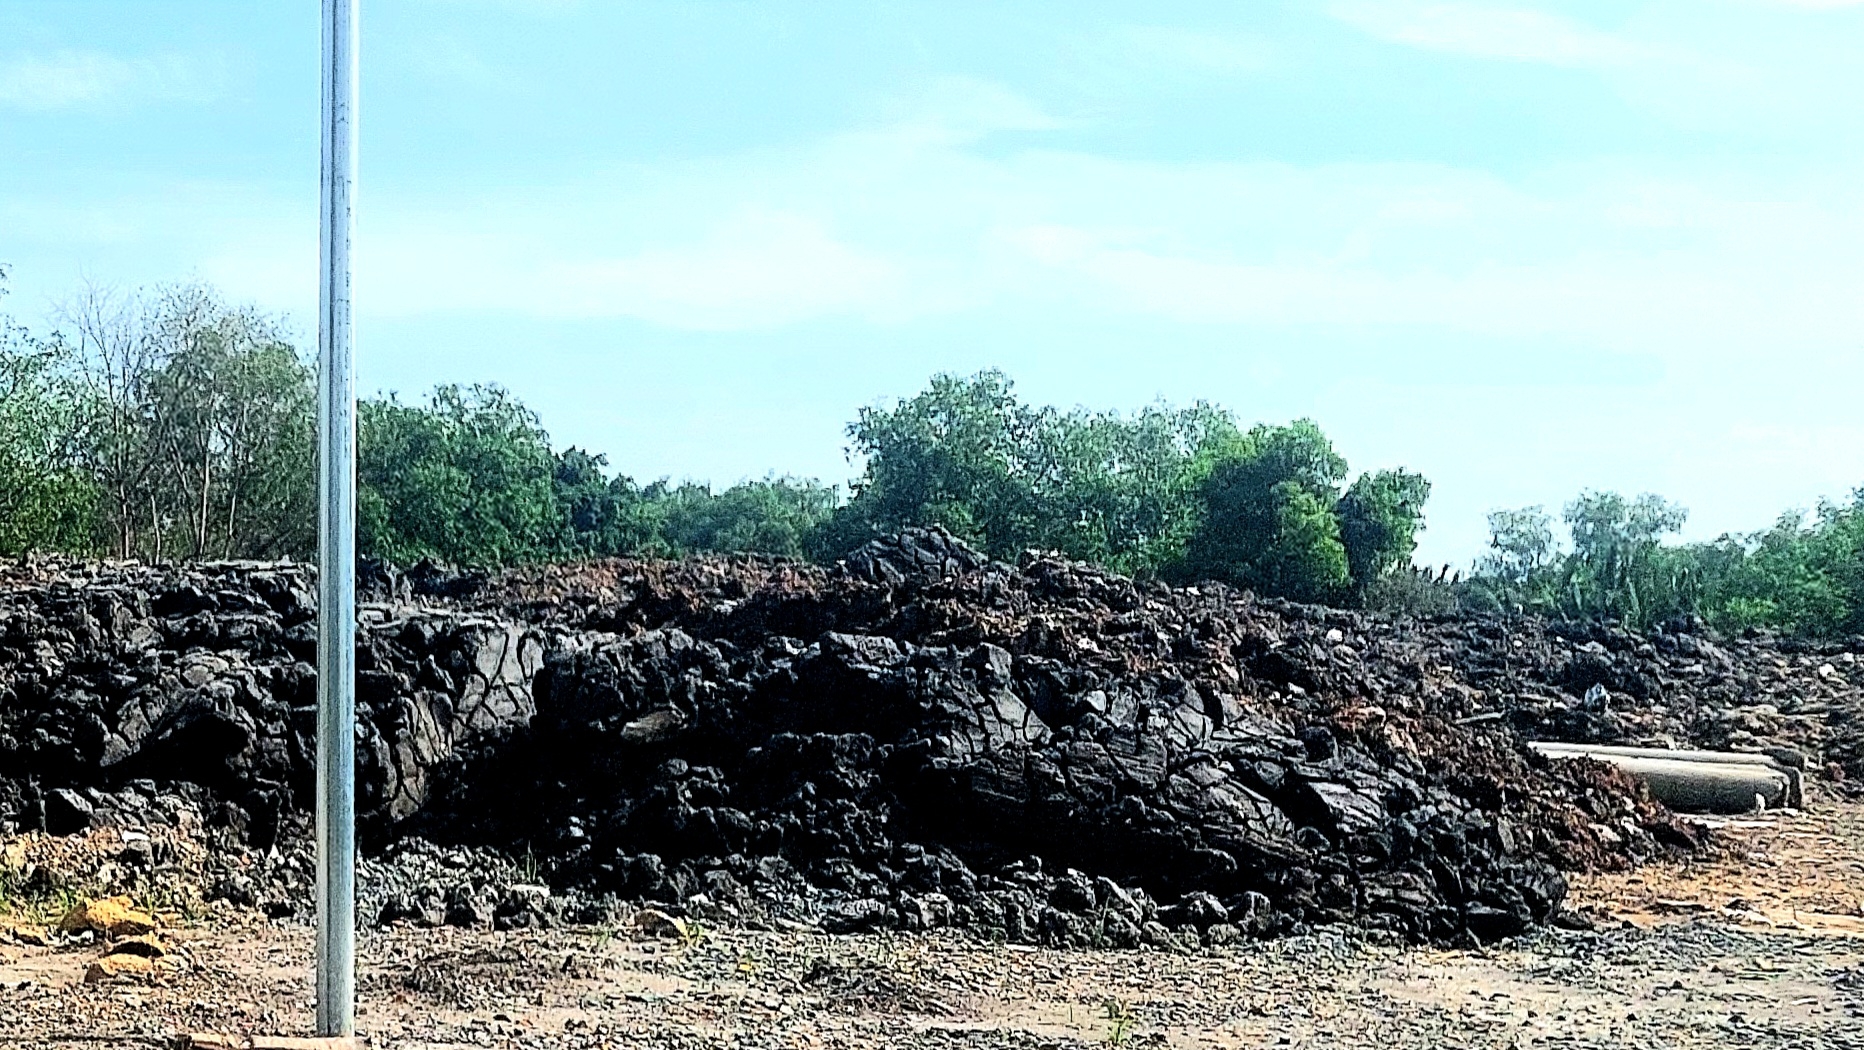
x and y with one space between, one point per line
208 1041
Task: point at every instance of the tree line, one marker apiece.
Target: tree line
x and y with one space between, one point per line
172 425
1804 575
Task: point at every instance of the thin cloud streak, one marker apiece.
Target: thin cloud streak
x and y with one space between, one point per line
64 80
1517 34
928 218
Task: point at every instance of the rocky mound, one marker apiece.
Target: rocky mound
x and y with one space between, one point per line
916 737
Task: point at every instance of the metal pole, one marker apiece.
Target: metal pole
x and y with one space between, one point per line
336 539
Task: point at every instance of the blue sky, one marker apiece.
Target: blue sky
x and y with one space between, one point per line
1522 249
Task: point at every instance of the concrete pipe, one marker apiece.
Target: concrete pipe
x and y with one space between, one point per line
1780 759
1697 781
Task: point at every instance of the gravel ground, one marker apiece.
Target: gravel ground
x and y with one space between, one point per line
1758 946
1698 983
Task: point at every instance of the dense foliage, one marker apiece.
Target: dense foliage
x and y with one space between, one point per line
468 477
171 425
1181 493
46 499
968 455
1805 575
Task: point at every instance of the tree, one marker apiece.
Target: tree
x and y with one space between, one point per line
1520 571
1619 567
1520 543
195 422
115 363
1806 578
1306 559
1798 577
46 501
467 478
232 417
1122 491
1268 517
604 515
1380 517
774 516
958 455
967 454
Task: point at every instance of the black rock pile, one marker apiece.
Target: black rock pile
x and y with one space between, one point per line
917 737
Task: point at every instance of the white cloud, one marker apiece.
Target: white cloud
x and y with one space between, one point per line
957 109
756 269
1744 66
1694 266
1691 272
69 79
1518 34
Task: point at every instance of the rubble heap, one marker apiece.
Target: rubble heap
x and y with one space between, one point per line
915 737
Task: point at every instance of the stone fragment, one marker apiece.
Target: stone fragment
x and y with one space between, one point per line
652 923
31 936
120 968
147 945
67 812
110 916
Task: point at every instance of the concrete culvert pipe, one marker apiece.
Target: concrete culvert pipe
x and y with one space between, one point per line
1697 781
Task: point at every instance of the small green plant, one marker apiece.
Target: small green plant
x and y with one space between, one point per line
1119 1017
1099 940
605 933
37 906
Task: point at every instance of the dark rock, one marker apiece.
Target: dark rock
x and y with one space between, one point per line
67 812
1222 933
855 916
467 906
1155 935
1199 910
1492 924
917 736
1073 893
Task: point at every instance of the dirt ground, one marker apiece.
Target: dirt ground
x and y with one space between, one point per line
1761 945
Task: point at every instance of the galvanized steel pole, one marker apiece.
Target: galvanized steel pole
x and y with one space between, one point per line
336 539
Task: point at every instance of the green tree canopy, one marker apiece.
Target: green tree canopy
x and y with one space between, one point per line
961 454
194 421
47 501
1380 517
774 516
1804 576
1619 565
1268 518
604 515
467 478
967 454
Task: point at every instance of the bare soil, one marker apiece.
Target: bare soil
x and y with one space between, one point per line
1760 944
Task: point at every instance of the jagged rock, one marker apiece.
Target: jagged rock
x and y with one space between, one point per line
120 968
110 916
1155 935
67 812
918 736
468 906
